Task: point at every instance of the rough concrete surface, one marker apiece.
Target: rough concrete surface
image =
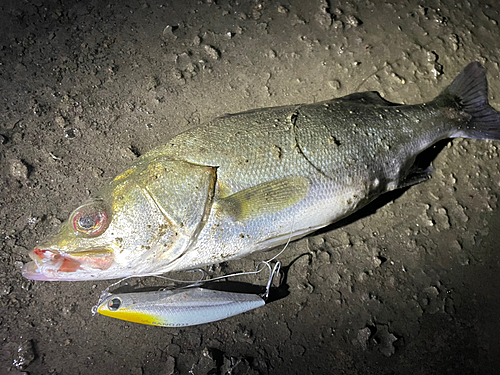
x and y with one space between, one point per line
409 285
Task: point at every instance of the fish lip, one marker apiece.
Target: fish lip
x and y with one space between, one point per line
45 265
30 271
53 265
39 269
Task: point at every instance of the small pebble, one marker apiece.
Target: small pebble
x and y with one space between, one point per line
206 363
168 33
25 355
212 52
363 337
169 368
335 84
282 9
352 20
59 120
18 169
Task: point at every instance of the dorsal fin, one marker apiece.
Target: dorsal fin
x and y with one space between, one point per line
368 98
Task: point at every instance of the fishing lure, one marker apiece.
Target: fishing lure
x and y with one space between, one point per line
181 307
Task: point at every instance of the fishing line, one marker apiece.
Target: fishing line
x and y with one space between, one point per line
275 271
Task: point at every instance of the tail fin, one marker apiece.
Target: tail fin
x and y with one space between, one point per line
470 91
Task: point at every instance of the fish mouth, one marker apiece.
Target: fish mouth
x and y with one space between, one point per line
51 265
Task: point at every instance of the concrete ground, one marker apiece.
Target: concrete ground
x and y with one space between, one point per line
408 285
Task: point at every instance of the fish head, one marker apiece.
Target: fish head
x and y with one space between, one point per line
80 246
141 222
98 242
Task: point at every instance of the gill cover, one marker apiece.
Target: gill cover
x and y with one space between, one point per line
178 192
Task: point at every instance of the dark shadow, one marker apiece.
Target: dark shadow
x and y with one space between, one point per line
283 290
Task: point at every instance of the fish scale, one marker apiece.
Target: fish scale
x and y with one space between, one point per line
239 166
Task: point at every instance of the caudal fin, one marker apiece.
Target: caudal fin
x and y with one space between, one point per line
470 91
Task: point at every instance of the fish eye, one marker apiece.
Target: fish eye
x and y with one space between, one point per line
87 222
114 304
90 219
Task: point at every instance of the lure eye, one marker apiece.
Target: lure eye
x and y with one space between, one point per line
114 304
91 219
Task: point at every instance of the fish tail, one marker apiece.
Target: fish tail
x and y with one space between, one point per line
469 91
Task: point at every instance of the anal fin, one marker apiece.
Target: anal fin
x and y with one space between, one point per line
417 176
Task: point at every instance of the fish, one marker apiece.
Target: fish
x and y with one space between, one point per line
179 307
254 180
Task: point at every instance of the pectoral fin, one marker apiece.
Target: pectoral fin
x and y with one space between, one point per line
266 198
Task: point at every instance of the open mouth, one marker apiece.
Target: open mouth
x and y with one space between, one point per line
53 265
